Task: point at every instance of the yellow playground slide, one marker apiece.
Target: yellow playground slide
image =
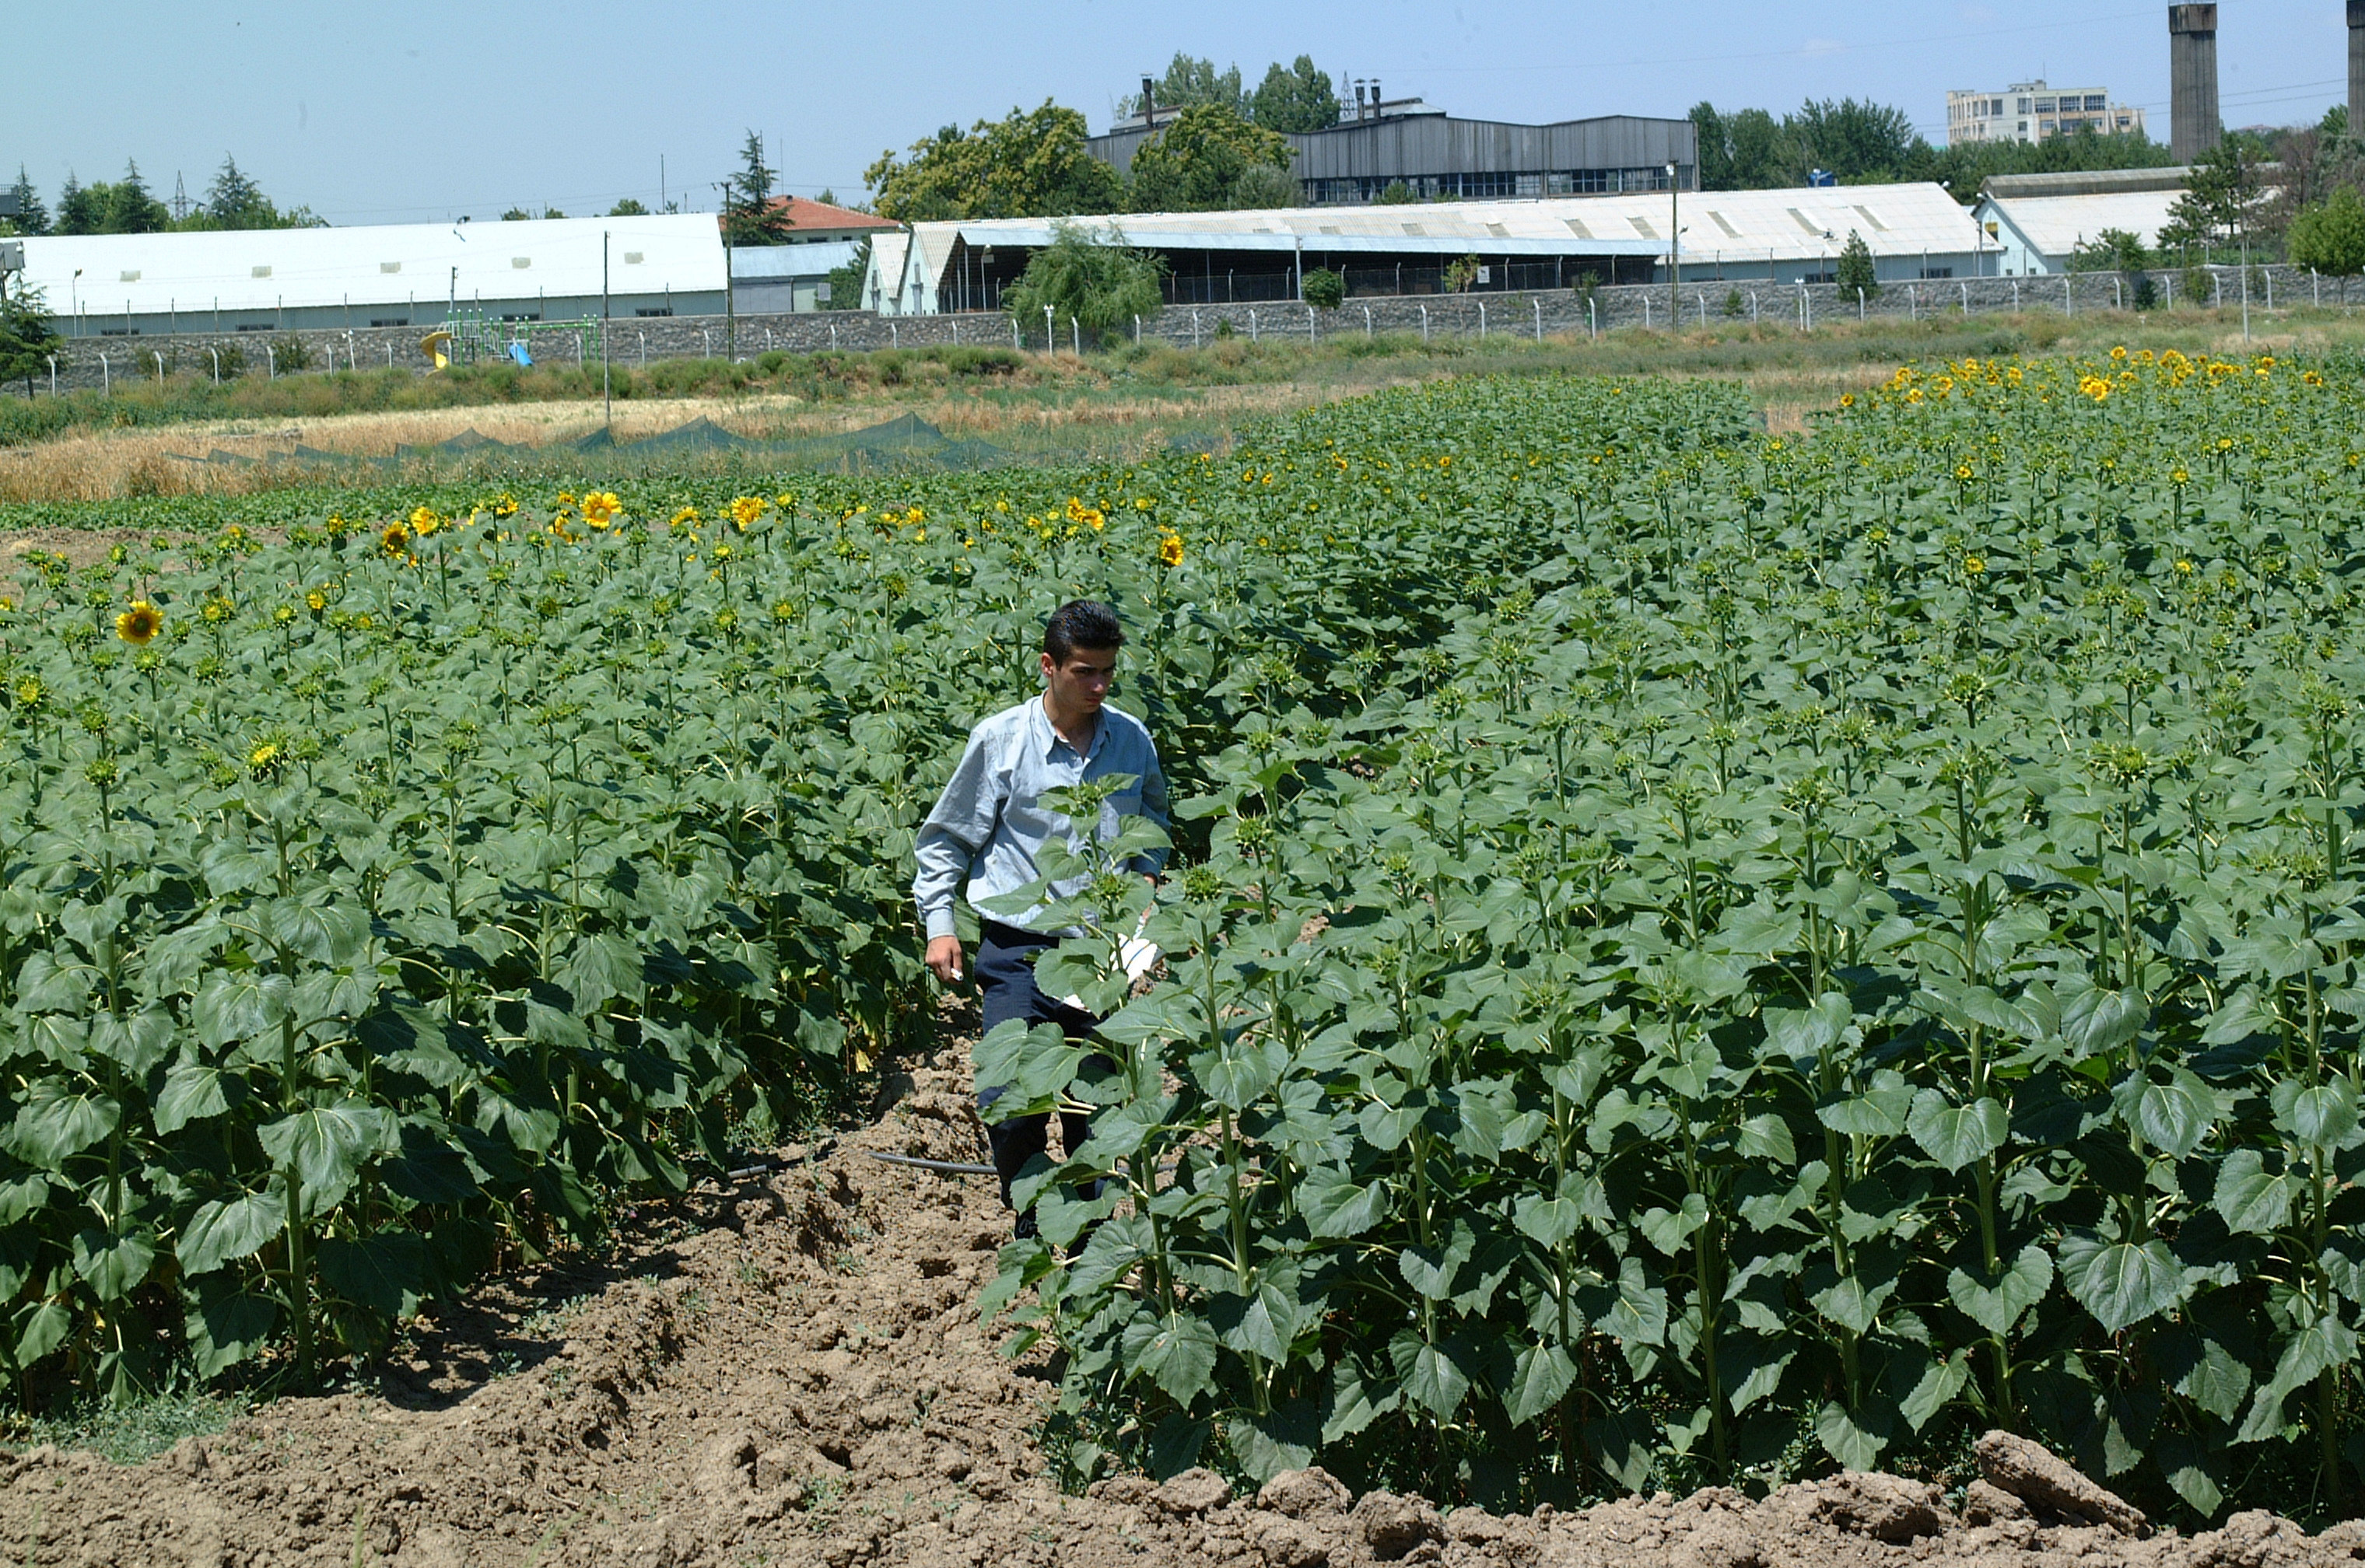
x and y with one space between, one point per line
437 346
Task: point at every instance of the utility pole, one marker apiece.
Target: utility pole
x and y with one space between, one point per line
730 309
1675 251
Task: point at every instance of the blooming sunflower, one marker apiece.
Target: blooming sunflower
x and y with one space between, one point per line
396 540
139 624
1170 548
746 509
423 521
602 507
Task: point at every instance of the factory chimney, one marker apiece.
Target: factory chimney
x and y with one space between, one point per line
2193 126
1149 101
2356 67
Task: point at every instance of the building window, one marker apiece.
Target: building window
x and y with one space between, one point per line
523 316
2098 100
118 332
667 309
1818 277
2024 106
253 326
1937 272
390 321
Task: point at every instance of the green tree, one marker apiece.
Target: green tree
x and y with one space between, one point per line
129 208
27 333
1090 276
79 210
1032 164
1397 194
2330 237
845 282
1295 98
1460 275
234 201
1195 163
517 215
628 208
2218 197
2112 250
1714 160
750 217
1857 141
1762 154
32 217
1262 187
1323 289
1856 270
1190 80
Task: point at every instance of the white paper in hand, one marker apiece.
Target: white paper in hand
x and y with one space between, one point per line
1138 955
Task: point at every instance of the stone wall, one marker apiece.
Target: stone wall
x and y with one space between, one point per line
1543 313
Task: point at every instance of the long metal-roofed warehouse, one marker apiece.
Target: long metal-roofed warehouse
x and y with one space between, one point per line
1913 230
1435 155
382 275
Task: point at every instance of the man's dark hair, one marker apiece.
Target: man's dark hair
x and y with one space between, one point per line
1081 623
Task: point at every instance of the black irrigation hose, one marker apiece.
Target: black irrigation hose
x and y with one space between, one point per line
956 1167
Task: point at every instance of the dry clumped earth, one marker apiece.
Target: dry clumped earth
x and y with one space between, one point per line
797 1375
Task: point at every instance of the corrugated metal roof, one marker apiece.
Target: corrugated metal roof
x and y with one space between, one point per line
2054 226
1895 220
252 270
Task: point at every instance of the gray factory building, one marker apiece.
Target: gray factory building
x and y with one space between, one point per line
1439 157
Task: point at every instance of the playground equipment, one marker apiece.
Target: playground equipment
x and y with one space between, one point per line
469 336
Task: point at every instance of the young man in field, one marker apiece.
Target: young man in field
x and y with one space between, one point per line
991 823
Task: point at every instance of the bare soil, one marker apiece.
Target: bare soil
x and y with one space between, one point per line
789 1369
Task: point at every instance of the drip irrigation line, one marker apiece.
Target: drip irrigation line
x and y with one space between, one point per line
957 1167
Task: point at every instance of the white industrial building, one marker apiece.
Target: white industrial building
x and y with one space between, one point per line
1913 231
385 276
2035 222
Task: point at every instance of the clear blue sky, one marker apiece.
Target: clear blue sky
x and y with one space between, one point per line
417 112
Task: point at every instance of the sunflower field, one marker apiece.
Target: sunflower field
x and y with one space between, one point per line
1693 955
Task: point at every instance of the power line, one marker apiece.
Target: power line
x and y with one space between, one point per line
1792 53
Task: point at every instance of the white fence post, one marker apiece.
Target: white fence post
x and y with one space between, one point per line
1539 303
53 373
106 377
160 365
1253 326
1859 302
1194 326
1424 323
1482 321
1367 321
272 359
1593 320
1310 335
1646 312
216 353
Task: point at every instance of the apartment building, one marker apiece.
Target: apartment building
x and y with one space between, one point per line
2031 111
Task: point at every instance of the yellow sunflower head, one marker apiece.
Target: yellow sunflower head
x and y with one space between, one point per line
396 539
746 509
140 624
602 507
1170 548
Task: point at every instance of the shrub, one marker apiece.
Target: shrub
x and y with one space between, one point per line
1324 289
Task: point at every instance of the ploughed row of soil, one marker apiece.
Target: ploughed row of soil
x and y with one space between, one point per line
797 1375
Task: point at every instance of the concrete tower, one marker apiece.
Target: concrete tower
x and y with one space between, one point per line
2193 80
2356 67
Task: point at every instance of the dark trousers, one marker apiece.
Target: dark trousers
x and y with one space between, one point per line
1006 989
